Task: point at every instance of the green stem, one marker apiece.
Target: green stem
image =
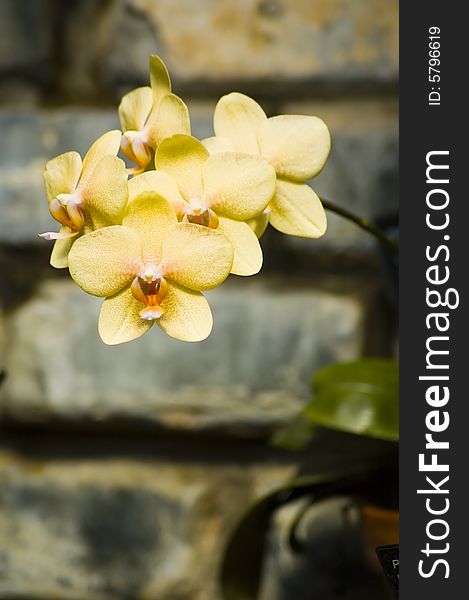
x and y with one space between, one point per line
363 223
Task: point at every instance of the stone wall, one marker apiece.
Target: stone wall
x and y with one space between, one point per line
123 469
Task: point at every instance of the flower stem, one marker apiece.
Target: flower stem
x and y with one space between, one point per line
363 223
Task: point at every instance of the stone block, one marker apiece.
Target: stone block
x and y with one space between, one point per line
251 374
17 93
25 39
116 528
251 42
270 46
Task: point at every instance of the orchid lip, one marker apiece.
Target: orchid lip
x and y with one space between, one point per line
151 313
67 209
150 288
199 213
144 135
74 198
135 145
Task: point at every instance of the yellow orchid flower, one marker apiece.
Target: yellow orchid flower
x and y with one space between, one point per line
296 146
150 114
151 269
219 192
85 195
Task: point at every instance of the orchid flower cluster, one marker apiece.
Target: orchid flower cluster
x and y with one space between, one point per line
150 239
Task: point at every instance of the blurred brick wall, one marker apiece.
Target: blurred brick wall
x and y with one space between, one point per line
122 469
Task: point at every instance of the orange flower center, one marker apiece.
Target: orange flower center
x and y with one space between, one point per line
198 212
150 288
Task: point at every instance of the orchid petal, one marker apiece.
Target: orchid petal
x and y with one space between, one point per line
216 144
196 257
105 194
61 174
297 210
104 261
171 117
150 216
238 186
247 250
159 182
134 109
259 224
109 143
183 157
59 255
238 118
187 315
120 320
297 146
159 78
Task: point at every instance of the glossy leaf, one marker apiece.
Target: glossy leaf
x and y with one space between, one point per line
360 397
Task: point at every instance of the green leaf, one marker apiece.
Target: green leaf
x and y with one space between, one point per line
360 397
296 435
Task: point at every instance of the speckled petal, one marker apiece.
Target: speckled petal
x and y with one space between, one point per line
238 186
159 78
297 146
134 109
247 250
196 257
183 157
59 255
106 193
259 224
169 118
104 261
120 320
159 182
297 210
150 216
215 145
61 174
109 143
238 118
187 315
